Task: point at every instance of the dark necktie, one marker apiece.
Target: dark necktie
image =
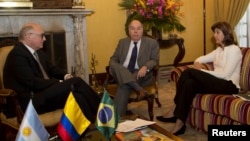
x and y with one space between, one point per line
132 61
45 76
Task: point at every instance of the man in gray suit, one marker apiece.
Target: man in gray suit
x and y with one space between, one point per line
132 77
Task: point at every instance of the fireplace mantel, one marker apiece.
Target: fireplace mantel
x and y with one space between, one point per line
72 21
44 12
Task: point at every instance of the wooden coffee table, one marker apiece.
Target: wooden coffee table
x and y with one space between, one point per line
94 135
165 132
156 128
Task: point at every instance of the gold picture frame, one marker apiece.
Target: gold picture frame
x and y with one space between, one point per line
16 4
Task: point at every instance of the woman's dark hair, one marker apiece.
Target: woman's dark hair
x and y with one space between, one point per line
227 31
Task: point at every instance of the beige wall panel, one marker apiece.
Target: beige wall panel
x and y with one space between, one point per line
210 19
193 36
104 28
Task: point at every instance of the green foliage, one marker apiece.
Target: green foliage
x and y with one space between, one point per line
149 15
127 4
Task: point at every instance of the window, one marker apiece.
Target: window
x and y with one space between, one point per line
243 29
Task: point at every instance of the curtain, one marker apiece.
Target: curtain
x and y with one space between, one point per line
230 11
242 29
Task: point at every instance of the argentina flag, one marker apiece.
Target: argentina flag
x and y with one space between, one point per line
31 128
107 116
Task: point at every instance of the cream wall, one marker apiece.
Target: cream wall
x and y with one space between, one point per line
210 19
106 26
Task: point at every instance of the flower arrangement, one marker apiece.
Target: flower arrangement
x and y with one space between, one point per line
158 14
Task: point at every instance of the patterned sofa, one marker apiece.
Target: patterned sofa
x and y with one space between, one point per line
214 109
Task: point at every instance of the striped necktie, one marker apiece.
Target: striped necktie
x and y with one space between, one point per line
45 76
132 61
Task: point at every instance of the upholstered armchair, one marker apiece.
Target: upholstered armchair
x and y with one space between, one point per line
111 86
10 125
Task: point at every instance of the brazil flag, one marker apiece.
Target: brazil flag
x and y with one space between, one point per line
107 116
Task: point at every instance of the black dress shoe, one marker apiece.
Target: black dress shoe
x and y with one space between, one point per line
180 131
162 119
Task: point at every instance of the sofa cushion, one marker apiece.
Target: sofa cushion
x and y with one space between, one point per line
224 105
200 120
245 70
176 72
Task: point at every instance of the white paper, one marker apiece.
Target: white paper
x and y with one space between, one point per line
131 125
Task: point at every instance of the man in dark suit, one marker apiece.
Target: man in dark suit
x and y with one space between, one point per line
29 72
140 74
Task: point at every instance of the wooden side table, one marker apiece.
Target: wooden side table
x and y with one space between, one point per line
168 43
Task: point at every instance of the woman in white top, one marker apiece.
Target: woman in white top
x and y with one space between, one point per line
224 79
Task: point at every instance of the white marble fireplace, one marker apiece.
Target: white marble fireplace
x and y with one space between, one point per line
71 21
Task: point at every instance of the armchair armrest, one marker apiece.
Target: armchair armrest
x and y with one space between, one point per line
9 97
176 72
7 92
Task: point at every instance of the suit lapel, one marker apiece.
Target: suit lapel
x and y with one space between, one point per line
125 49
34 62
142 49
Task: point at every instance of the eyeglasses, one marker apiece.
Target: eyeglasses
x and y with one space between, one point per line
41 35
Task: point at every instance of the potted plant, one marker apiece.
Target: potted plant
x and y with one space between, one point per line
155 15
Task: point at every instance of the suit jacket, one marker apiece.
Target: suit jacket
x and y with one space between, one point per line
148 56
22 73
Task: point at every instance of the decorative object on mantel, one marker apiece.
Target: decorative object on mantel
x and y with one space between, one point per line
172 36
16 4
78 4
94 82
93 70
52 4
156 15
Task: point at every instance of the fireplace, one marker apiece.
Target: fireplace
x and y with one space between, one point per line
55 46
71 21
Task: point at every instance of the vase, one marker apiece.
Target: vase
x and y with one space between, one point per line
172 36
156 33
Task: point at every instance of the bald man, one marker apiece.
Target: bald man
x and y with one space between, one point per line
29 72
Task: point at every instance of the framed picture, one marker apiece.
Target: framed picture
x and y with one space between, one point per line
52 4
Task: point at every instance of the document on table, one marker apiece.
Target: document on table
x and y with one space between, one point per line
245 96
132 125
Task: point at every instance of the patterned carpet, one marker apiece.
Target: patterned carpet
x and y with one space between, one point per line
166 95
